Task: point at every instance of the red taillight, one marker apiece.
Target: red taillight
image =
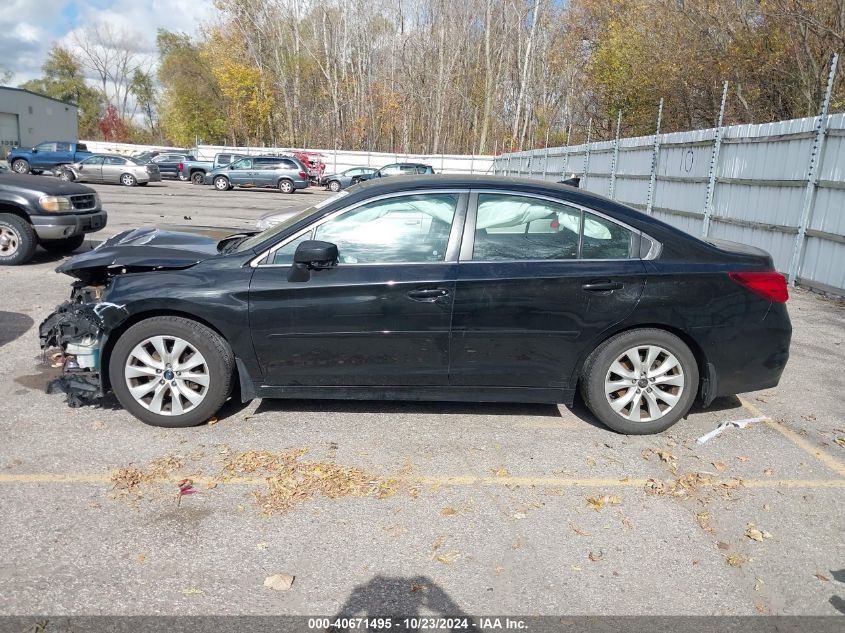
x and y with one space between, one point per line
180 166
772 286
302 174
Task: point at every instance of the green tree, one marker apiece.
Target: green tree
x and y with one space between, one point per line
63 80
192 106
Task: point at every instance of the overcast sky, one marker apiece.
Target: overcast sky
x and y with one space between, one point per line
29 27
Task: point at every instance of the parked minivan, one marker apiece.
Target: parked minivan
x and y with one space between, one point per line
284 173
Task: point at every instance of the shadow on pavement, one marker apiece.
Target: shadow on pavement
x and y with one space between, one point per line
395 596
13 325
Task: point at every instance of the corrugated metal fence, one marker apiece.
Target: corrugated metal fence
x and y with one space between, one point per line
764 190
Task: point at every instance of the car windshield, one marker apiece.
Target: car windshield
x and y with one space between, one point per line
254 240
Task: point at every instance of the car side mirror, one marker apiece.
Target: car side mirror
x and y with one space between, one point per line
312 255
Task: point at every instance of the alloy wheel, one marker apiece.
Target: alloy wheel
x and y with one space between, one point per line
8 242
334 185
127 179
167 375
644 383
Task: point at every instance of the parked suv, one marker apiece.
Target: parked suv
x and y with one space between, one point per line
396 169
285 173
43 211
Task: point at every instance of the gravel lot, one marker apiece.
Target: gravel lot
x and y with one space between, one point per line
443 508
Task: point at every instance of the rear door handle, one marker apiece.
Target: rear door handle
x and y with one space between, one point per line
428 294
602 286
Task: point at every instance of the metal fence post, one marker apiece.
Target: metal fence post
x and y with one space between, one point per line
587 153
566 150
812 176
655 154
510 157
714 165
614 161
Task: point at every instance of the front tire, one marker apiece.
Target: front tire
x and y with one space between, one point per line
63 247
20 166
198 178
171 371
66 175
286 186
641 381
221 183
17 240
128 180
334 186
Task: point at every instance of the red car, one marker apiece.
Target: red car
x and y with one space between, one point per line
313 162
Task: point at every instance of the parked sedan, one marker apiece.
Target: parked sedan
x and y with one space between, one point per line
395 169
461 288
284 173
111 168
336 182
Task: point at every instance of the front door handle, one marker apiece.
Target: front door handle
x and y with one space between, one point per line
602 286
428 294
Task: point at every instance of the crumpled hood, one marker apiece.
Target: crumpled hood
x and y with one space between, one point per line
140 250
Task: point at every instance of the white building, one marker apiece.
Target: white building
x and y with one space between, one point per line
27 118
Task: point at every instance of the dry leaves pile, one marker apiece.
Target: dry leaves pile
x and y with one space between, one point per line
291 481
127 481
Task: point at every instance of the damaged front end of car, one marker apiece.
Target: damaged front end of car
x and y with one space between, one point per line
73 338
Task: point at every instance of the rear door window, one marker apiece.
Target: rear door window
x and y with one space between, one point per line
511 227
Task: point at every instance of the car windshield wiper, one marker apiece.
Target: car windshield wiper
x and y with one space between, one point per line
227 244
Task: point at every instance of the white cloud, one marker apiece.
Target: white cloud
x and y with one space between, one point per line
31 26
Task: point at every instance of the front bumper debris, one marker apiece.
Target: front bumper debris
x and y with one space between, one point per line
75 331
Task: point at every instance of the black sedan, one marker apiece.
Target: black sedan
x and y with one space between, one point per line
427 288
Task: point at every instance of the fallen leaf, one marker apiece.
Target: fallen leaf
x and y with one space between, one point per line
211 485
279 582
758 582
647 454
742 458
590 461
499 569
722 545
580 532
628 524
666 456
261 546
766 506
840 441
736 560
761 607
448 512
192 591
720 466
768 472
756 535
140 558
519 515
447 559
575 567
597 503
596 557
502 472
822 578
212 420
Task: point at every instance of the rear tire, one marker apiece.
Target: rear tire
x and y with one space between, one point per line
216 371
198 178
641 381
286 186
17 240
63 247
